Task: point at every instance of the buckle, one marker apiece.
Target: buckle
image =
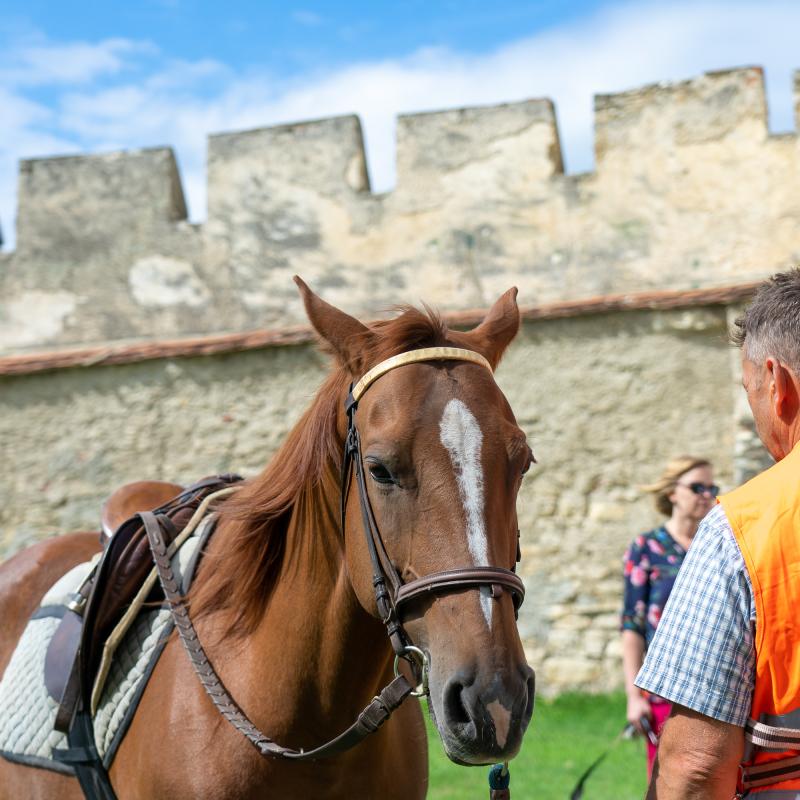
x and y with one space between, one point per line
419 662
77 603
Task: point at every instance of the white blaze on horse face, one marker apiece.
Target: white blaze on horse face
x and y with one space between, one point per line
461 436
501 717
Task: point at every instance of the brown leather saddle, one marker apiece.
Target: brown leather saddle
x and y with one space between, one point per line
130 499
73 656
122 504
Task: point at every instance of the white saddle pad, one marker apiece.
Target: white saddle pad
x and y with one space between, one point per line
28 713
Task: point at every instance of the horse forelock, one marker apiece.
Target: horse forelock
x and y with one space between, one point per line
241 575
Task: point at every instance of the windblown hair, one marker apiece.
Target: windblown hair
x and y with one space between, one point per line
770 325
303 473
668 480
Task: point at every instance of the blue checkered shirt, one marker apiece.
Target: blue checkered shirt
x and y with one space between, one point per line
703 653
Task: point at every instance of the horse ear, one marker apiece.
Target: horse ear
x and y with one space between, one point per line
498 328
345 334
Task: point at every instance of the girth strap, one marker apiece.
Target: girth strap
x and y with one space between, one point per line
369 720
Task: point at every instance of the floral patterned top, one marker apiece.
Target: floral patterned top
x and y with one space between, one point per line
651 566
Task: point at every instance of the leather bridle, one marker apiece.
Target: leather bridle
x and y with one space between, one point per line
393 599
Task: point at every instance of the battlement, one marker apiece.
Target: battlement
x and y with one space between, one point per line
92 199
690 190
712 108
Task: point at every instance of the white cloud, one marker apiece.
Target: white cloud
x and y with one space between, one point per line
623 46
37 62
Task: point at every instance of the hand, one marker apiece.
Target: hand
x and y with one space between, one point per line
638 707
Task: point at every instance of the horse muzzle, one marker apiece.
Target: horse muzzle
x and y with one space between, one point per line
482 720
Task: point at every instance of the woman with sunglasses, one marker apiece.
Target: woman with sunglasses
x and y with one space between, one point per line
684 493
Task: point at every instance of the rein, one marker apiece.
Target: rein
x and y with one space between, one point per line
390 600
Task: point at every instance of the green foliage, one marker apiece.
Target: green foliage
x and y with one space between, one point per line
565 736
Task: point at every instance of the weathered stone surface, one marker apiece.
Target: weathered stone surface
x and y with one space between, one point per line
690 190
70 438
84 202
562 672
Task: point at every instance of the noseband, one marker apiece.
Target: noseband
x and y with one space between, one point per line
393 599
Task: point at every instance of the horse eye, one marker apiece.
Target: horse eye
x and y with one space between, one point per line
380 474
531 460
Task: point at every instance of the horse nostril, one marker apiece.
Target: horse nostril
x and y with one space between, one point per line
455 711
531 685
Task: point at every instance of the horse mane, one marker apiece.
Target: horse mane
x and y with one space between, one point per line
240 577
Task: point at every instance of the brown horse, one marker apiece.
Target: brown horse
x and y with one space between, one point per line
284 603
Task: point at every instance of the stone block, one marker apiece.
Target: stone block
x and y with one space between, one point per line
561 672
613 648
607 621
271 171
604 511
649 123
573 622
594 643
572 504
81 203
473 152
560 641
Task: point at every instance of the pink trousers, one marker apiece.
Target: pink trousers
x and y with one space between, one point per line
660 714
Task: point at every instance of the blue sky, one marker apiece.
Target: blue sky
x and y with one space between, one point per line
91 76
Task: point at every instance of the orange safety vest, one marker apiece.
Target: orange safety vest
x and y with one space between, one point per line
765 517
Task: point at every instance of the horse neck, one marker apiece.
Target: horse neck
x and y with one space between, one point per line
327 646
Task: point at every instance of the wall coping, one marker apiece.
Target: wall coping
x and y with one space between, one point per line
187 347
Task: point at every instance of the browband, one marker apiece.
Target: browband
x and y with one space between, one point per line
423 354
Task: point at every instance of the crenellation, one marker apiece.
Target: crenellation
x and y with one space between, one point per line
91 199
656 119
690 191
276 198
251 171
497 150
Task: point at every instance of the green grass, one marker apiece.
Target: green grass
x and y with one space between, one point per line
564 737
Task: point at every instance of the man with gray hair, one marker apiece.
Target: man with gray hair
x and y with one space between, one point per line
727 650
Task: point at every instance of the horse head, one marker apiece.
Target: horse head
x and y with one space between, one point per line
441 459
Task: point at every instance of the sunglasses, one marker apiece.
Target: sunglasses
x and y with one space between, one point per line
702 488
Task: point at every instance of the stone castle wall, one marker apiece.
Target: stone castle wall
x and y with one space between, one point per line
690 191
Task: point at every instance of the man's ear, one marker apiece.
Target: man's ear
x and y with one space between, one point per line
347 337
499 327
783 390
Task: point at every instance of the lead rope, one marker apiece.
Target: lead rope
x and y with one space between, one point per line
499 780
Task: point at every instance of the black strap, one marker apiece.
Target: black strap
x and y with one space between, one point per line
70 697
382 568
83 757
